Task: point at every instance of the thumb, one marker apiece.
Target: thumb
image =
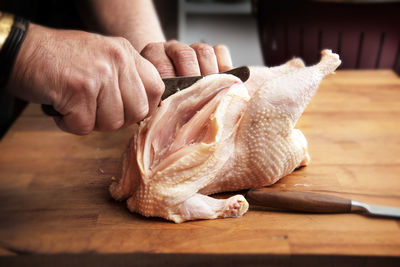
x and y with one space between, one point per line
152 82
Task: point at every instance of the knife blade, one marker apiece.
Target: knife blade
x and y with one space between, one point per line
172 86
175 84
383 211
316 203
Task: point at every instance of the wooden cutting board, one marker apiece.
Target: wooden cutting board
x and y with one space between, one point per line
54 198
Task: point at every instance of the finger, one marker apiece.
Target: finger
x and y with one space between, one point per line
152 82
133 93
110 109
206 58
81 120
223 57
131 88
155 53
183 57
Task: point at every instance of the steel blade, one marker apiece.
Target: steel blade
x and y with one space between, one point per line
175 84
375 210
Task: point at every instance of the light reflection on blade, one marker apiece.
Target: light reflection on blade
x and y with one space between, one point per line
375 210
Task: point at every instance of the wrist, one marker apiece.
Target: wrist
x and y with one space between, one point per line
23 71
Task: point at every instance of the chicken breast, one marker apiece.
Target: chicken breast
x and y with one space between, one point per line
219 135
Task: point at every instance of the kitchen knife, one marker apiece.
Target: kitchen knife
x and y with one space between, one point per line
175 84
315 203
172 86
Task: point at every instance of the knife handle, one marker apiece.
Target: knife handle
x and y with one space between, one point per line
299 201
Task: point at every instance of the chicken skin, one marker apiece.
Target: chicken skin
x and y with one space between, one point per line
219 135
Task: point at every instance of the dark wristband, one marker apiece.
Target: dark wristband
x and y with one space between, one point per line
10 49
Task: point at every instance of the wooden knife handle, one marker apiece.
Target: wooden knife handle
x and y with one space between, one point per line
299 201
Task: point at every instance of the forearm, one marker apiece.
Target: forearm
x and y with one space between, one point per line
136 20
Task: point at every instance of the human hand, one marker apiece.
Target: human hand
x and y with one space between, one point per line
173 58
95 82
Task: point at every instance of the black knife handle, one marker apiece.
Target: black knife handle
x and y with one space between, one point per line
175 84
50 111
243 73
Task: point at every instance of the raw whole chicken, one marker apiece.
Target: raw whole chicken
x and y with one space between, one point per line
219 135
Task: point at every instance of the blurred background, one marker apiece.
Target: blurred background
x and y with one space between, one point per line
366 33
231 22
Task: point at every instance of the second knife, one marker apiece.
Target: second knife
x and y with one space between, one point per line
315 203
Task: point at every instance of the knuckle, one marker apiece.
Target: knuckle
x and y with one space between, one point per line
156 90
83 128
84 131
89 87
123 42
126 45
150 48
141 113
117 54
147 51
83 85
104 70
115 125
121 50
185 54
203 49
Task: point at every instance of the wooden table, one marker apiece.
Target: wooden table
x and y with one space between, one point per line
55 207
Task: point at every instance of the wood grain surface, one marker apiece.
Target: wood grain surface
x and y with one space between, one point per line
54 198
